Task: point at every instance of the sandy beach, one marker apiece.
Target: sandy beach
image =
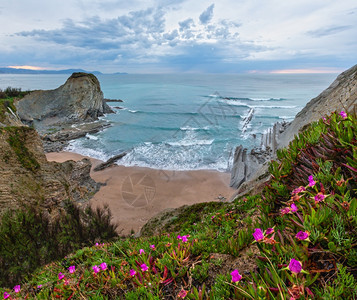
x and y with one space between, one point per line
135 194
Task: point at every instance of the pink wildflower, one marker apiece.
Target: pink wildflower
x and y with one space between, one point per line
312 182
236 276
343 114
319 197
179 237
72 269
39 286
302 235
182 294
103 266
152 247
60 276
17 288
132 272
95 269
269 231
184 238
144 267
142 251
293 207
258 234
295 266
6 295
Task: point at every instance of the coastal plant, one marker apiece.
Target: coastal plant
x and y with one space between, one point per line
29 238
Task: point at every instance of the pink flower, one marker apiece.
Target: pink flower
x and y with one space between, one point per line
95 269
319 197
103 266
144 267
269 231
312 182
141 251
132 272
302 235
236 276
293 207
184 238
72 269
152 247
179 237
17 288
343 114
182 294
6 295
60 276
39 286
295 266
258 234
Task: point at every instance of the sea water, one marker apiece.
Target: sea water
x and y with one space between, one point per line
186 121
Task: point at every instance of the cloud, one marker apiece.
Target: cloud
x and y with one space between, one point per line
207 15
328 31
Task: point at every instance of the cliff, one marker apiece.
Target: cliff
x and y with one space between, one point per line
26 177
250 167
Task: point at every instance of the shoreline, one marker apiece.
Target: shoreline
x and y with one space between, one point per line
136 194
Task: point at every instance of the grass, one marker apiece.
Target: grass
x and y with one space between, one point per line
220 238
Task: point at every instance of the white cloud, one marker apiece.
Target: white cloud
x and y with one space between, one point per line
138 32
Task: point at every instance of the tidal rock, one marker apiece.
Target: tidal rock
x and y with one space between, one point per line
109 162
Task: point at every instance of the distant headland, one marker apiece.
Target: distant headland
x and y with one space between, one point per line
7 70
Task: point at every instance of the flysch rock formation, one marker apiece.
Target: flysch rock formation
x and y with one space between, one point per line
250 167
53 112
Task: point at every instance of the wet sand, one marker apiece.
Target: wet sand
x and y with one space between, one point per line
135 194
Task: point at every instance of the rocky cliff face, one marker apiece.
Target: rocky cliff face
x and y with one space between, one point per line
26 177
80 99
250 167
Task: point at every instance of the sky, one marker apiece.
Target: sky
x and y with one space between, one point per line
168 36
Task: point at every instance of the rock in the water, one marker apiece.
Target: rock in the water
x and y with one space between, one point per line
109 162
79 99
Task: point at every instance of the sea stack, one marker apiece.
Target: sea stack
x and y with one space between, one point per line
80 99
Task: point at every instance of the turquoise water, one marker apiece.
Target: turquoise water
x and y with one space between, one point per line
187 121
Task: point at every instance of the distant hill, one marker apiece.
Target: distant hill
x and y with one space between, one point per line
26 71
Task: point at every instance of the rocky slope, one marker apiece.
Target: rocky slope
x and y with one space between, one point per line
26 177
250 167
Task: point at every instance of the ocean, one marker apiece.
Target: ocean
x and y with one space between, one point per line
186 121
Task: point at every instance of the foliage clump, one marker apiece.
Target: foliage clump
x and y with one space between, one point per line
30 237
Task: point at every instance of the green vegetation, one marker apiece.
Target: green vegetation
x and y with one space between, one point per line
7 97
295 240
30 237
17 141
